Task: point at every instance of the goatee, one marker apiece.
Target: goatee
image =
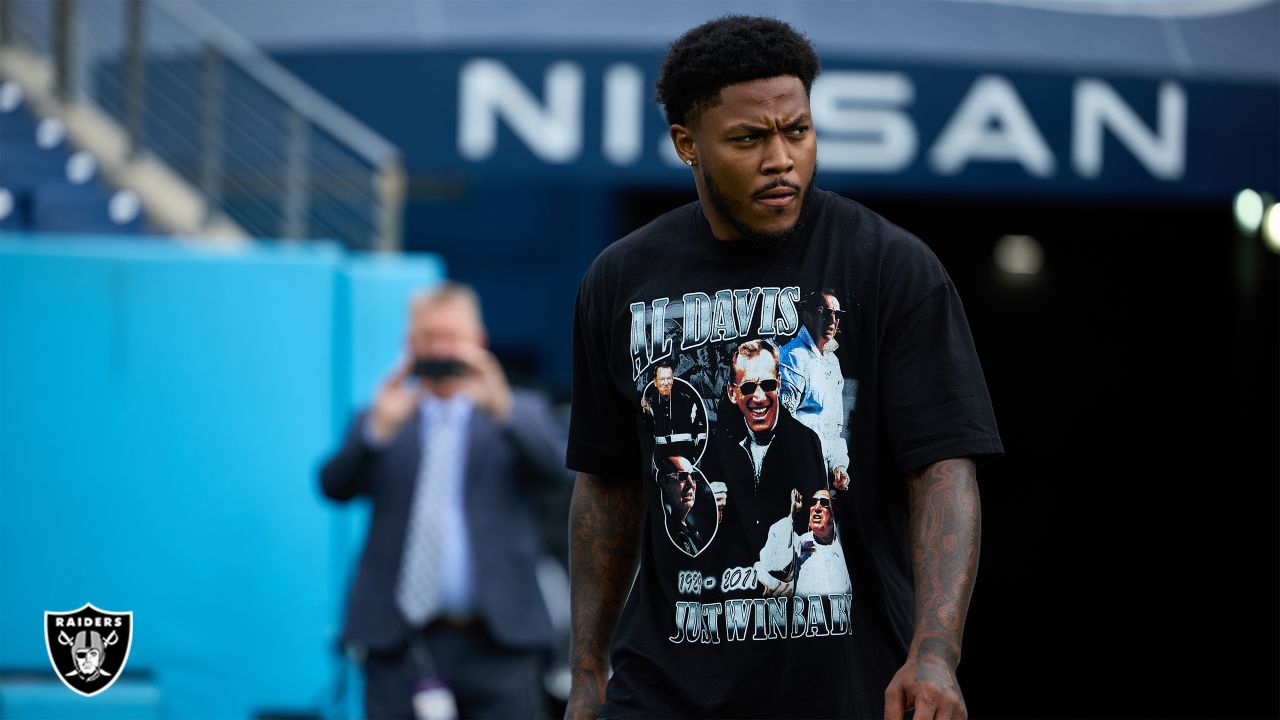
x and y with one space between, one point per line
764 243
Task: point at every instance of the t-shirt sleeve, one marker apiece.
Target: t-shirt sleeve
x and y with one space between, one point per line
602 424
933 394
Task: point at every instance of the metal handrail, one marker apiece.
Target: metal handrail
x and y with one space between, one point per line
282 148
336 121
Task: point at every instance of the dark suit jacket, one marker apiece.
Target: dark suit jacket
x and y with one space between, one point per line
504 461
794 461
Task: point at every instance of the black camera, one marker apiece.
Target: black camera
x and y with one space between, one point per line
435 368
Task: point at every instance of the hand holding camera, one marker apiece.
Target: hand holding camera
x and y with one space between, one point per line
396 401
445 372
465 368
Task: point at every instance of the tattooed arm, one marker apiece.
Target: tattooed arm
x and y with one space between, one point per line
944 531
604 526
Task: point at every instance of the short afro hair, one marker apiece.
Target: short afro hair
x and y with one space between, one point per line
726 51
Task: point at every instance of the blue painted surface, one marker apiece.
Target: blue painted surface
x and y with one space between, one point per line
36 700
163 411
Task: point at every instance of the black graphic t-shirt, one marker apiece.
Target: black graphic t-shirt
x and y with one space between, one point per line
770 404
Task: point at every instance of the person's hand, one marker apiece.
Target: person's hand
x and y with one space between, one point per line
927 684
721 493
840 478
483 380
797 501
396 401
781 589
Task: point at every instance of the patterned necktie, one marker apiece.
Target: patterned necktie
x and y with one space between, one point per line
418 589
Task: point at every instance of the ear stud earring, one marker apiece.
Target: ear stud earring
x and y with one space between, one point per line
688 162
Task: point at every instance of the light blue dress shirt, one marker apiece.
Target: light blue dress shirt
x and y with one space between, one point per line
456 582
813 390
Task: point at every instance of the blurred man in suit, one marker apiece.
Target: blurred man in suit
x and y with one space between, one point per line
449 453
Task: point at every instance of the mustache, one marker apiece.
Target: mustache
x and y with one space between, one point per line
777 183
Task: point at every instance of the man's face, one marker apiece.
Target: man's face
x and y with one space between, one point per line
435 329
755 390
87 660
820 515
438 330
823 321
757 152
664 378
679 484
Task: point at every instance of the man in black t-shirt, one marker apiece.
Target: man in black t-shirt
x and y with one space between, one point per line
708 635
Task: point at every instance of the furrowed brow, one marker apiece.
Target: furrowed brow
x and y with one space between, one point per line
746 127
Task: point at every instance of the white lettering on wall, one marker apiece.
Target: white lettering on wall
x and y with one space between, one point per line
623 114
970 135
863 118
1099 107
489 91
859 117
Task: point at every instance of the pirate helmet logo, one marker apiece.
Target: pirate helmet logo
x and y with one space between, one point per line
88 647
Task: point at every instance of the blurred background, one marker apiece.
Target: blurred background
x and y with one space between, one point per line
212 213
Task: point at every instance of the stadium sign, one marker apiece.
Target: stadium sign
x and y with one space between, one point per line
936 127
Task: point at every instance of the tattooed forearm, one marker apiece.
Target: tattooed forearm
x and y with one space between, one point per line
604 523
945 525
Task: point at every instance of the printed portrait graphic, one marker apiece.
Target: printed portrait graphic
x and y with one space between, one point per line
688 502
813 386
745 398
675 415
760 451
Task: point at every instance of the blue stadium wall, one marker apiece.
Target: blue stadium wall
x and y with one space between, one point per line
163 413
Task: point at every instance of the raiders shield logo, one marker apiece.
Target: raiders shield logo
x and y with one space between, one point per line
88 647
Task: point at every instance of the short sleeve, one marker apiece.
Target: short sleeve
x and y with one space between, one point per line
602 424
933 394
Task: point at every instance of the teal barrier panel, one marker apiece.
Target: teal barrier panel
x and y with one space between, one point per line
163 411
